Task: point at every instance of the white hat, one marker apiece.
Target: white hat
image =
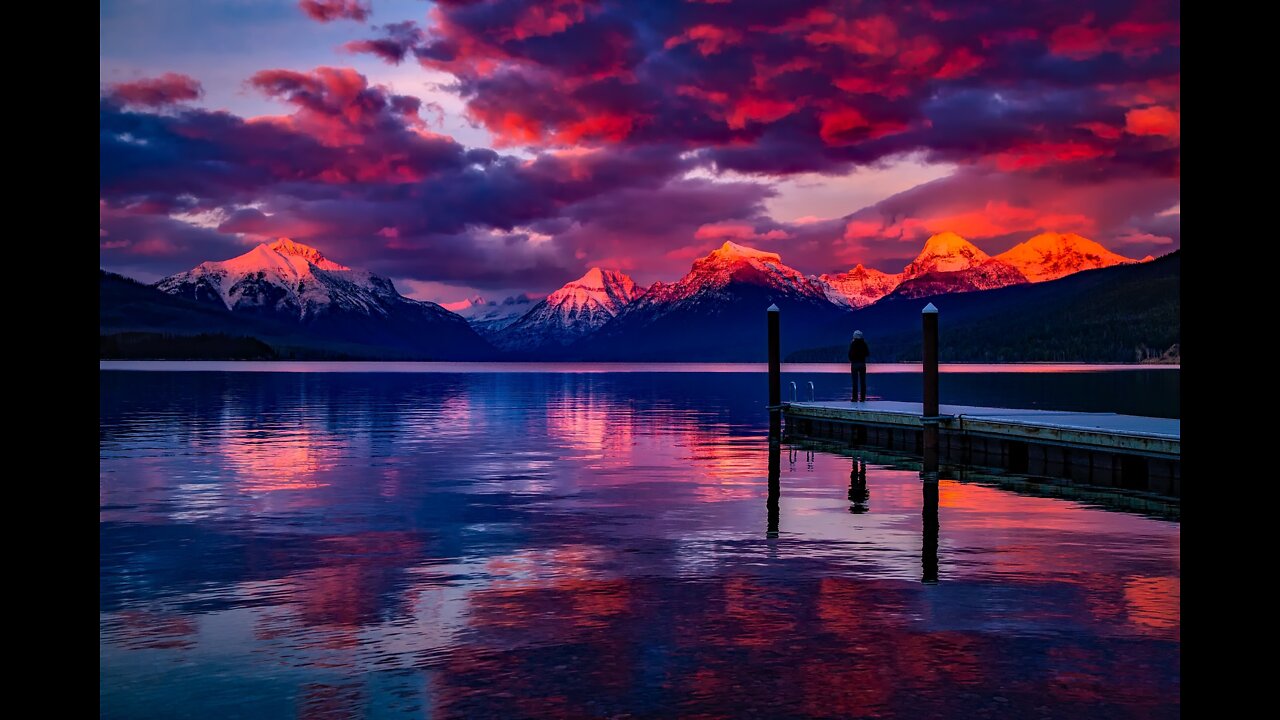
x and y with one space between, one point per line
857 334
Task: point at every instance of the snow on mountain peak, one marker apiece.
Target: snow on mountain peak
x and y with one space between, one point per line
945 252
489 316
859 287
576 309
948 242
464 304
1051 255
610 289
286 246
284 274
733 251
731 263
949 263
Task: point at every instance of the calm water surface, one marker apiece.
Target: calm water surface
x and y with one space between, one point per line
495 544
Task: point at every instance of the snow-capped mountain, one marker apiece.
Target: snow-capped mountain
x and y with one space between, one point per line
733 263
294 298
489 316
859 287
572 312
284 278
715 312
291 283
1051 255
950 264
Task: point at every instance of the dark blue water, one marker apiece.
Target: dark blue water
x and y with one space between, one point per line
457 545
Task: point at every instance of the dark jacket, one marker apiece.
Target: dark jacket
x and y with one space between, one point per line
858 351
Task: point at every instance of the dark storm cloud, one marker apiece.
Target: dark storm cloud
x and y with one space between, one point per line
352 169
1059 116
783 87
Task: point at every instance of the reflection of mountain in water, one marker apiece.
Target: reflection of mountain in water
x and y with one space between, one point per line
592 545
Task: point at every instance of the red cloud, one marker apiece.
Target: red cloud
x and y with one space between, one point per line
336 105
330 10
736 231
1134 37
961 62
1034 155
542 19
984 205
509 128
1155 120
1078 41
168 89
810 85
1102 130
710 39
618 103
760 109
607 127
847 126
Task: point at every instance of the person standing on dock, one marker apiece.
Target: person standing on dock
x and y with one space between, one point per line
858 354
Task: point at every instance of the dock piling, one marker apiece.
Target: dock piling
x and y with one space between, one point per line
929 411
775 359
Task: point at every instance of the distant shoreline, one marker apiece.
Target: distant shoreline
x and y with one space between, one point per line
596 367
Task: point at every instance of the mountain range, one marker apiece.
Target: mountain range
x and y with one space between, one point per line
488 317
1126 313
571 313
292 294
292 297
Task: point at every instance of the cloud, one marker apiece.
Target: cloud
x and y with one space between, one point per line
639 135
352 168
777 88
167 89
1155 120
738 232
331 10
397 41
997 210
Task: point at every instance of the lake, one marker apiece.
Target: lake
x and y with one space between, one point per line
457 541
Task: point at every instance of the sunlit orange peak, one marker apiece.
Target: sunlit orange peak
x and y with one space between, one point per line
734 250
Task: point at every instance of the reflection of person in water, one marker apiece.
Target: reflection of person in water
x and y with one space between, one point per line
858 493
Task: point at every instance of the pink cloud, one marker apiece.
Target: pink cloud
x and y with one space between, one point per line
330 10
168 89
737 231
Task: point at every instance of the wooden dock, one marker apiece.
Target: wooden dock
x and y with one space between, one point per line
1105 449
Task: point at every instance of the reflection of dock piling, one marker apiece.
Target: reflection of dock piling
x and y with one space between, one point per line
775 487
858 492
929 544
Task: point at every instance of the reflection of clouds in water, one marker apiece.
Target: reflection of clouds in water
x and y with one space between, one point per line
583 540
1154 604
270 460
597 426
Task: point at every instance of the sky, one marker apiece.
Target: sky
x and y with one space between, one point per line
494 147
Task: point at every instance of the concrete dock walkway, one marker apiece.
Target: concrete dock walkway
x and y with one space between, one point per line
1103 448
1145 435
